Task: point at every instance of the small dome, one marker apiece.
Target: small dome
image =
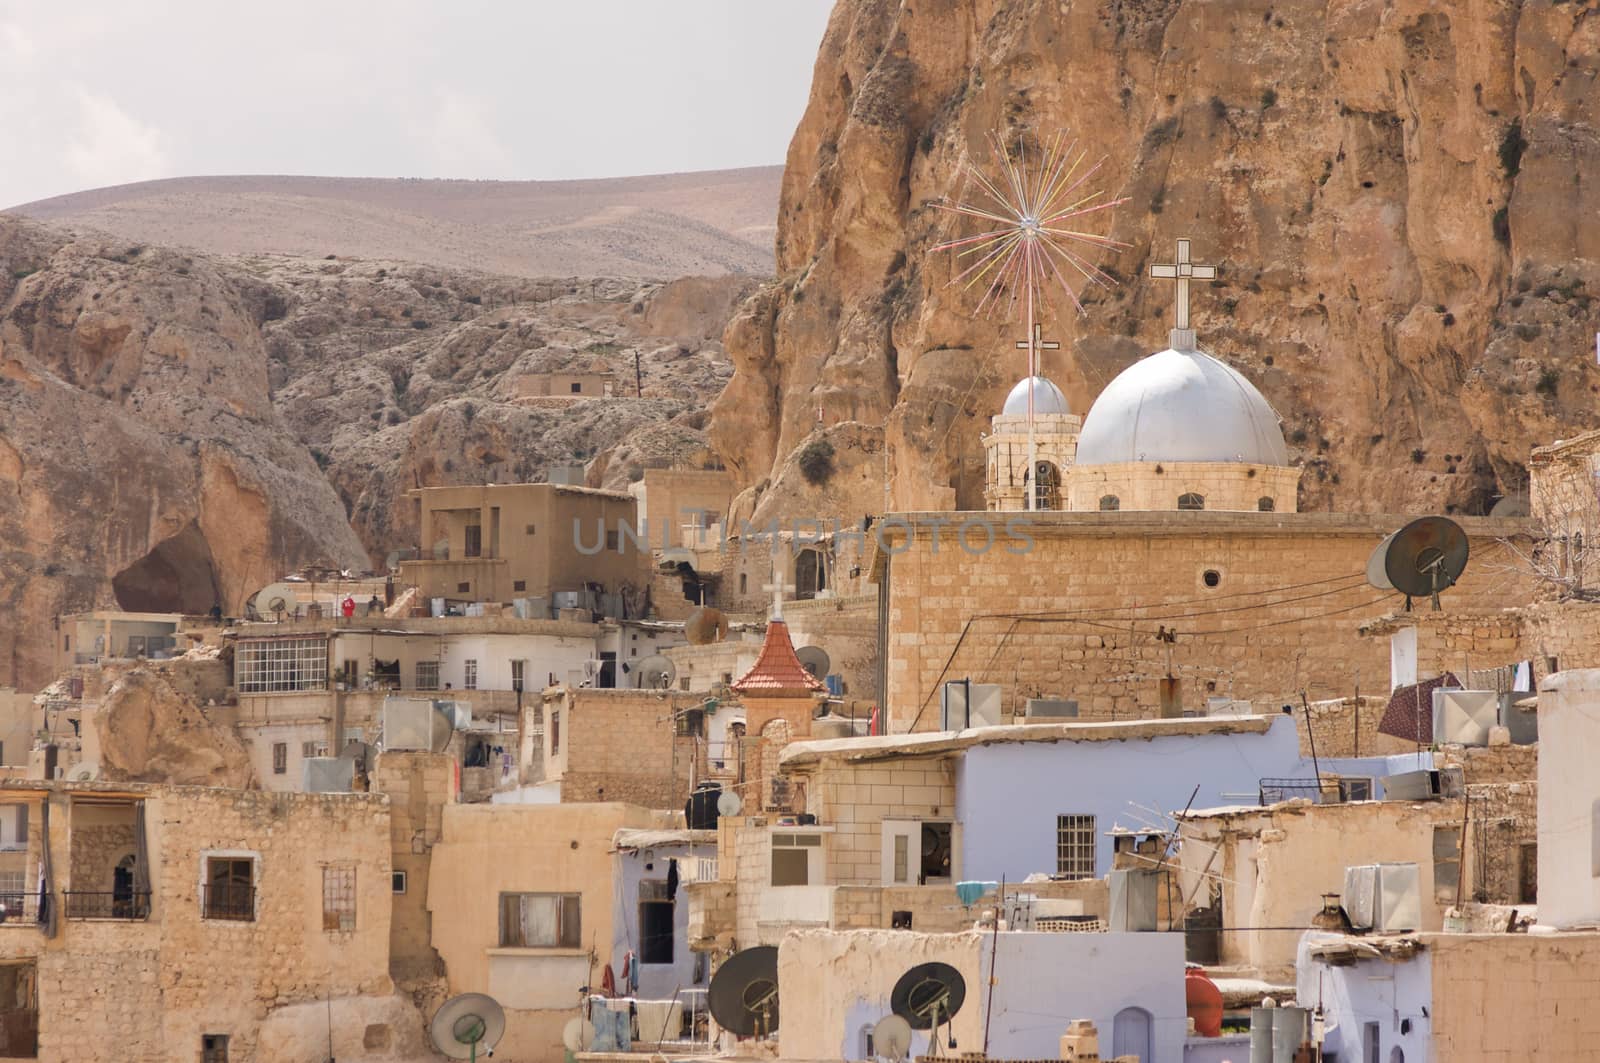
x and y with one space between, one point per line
1047 398
1181 406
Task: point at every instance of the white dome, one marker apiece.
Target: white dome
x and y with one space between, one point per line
1047 398
1181 406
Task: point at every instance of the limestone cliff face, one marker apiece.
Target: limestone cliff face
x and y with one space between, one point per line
1399 193
151 731
141 460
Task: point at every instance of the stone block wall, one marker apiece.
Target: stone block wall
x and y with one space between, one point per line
1343 728
855 799
418 786
847 628
1503 832
620 745
1538 1007
1492 764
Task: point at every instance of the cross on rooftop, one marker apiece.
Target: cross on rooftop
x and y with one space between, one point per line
778 586
1034 344
1183 271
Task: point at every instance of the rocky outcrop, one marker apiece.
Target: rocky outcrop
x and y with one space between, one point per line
152 731
143 463
1396 192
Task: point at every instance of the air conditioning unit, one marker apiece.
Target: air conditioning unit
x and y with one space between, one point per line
327 775
418 725
1228 707
963 705
1135 892
1386 898
1464 717
1048 710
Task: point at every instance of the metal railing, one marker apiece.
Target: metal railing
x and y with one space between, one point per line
107 904
1325 792
228 901
19 909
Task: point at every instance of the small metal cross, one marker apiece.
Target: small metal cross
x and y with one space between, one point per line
1035 344
1183 271
778 586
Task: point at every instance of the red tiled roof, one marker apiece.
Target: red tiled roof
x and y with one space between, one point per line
777 671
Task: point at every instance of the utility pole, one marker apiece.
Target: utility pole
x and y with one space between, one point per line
638 376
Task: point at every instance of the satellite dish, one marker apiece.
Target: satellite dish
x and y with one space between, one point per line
578 1034
1376 575
928 995
815 659
1425 557
744 992
655 672
891 1038
705 626
465 1025
276 599
729 804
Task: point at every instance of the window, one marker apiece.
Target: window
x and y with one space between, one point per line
1211 577
214 1048
268 665
397 881
902 858
529 529
1191 501
1446 862
577 388
474 541
690 723
427 675
280 758
516 674
655 922
1075 847
613 541
230 888
1265 504
464 588
338 898
470 680
539 921
744 582
555 732
1109 503
792 858
135 646
313 749
519 584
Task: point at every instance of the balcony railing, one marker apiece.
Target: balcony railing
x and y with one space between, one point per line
19 909
234 902
115 904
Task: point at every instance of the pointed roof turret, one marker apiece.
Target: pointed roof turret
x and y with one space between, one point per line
778 672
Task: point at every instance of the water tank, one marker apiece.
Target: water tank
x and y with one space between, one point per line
1047 710
701 808
963 704
1204 1002
327 775
1463 717
1134 894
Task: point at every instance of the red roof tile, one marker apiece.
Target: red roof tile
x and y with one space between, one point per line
777 671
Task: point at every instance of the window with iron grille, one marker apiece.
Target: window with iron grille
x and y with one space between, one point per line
397 881
270 665
280 758
230 891
313 749
473 546
338 898
1075 847
470 681
540 921
516 674
427 675
214 1048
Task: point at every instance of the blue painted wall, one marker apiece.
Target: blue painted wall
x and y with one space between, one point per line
1393 995
656 981
1009 794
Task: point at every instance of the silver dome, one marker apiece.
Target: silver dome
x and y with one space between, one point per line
1181 406
1047 398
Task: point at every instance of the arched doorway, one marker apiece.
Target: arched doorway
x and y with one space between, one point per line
810 574
1130 1033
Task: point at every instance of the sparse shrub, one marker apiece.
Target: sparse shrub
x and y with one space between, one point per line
1269 99
421 323
816 462
1502 226
1418 456
1549 382
1512 145
24 273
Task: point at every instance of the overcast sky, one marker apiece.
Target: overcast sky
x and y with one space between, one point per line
101 93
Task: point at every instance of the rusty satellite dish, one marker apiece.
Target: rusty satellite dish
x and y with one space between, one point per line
744 992
1421 559
705 626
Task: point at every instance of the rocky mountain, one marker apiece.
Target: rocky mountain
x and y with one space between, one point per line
178 429
1397 192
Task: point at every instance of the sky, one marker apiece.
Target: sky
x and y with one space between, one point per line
95 93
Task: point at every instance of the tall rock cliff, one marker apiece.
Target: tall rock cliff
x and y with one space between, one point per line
1400 193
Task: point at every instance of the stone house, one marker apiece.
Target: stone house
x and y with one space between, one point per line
587 385
644 747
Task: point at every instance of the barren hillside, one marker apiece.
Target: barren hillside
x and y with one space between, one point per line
656 227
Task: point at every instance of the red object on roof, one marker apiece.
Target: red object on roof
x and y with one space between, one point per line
778 672
1409 714
1204 1002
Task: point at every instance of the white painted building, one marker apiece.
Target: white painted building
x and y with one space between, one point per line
1569 799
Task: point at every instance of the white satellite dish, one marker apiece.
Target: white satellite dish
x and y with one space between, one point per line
1377 577
729 804
891 1038
815 659
84 773
467 1026
276 599
655 672
578 1034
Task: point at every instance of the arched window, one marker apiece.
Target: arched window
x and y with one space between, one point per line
1265 504
1191 500
810 574
1049 489
1130 1033
1109 503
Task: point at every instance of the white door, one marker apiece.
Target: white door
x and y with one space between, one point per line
902 851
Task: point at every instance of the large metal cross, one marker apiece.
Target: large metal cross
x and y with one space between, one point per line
1183 271
1033 345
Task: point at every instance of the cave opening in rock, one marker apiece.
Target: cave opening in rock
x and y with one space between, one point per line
178 576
